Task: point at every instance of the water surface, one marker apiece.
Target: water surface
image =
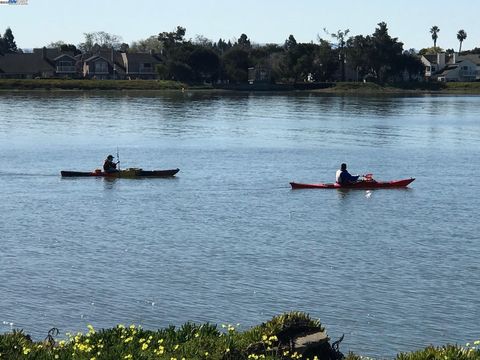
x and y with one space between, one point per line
227 241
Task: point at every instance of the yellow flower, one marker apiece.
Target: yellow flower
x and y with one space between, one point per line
206 353
26 351
476 342
130 338
264 337
145 346
56 356
91 330
197 335
160 341
227 350
127 357
141 340
176 347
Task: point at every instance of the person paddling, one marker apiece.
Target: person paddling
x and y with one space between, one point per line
109 166
343 176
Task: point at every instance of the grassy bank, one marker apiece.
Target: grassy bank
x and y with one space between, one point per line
192 341
59 84
335 88
404 88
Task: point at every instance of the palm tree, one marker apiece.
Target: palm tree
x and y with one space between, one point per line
461 35
434 31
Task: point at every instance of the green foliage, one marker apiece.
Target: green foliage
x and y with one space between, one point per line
7 43
447 352
190 341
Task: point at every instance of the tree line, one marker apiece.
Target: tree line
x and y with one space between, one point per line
378 56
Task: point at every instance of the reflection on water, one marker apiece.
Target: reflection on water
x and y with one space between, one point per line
226 240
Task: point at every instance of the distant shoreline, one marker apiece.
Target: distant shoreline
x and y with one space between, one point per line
340 88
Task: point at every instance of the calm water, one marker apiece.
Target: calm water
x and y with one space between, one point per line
227 241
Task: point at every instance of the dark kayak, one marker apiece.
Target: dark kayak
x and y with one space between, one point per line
130 173
365 184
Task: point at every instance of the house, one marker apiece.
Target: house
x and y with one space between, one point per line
99 64
462 70
66 66
140 65
443 67
26 66
97 67
474 58
434 63
260 75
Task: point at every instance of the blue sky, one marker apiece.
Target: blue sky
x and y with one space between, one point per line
264 21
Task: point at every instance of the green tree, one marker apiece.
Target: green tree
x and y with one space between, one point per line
204 62
222 45
434 30
290 43
360 52
236 62
388 53
150 44
461 35
430 51
9 44
341 41
244 41
326 61
172 38
101 39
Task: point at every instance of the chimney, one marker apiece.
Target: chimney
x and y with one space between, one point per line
44 53
454 58
441 60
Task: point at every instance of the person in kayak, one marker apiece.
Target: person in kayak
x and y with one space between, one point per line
109 166
343 176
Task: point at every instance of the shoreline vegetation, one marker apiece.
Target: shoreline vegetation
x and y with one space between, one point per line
166 85
290 336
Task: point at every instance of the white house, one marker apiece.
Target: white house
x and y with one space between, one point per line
443 67
474 58
434 63
463 70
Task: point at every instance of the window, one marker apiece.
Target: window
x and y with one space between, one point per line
101 67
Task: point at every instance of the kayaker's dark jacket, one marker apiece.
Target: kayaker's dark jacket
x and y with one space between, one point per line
109 166
344 177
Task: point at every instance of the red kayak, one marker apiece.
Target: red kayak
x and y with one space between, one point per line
363 184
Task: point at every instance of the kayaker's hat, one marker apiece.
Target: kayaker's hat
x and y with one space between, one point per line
110 157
